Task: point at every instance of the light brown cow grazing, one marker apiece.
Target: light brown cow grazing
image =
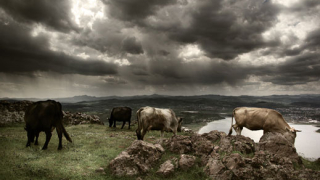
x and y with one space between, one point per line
150 118
264 119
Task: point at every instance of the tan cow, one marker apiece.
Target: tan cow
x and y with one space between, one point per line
150 118
264 119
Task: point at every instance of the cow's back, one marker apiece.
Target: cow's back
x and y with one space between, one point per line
252 118
260 118
159 119
43 114
121 113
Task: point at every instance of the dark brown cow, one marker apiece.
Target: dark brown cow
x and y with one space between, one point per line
150 118
122 114
44 116
264 119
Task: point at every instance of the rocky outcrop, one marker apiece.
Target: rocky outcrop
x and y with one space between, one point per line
12 112
227 157
279 147
136 159
80 118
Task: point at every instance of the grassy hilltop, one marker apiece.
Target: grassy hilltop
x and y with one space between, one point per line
93 147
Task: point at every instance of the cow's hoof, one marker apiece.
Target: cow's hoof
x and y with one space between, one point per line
44 148
59 148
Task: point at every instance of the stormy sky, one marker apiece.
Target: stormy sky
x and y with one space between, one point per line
67 48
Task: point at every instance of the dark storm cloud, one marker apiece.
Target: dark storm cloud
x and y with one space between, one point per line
296 70
132 46
171 71
106 36
225 29
54 14
20 52
305 5
134 10
313 40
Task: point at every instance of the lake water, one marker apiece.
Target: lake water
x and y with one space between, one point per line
307 142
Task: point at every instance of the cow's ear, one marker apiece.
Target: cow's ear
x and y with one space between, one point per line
180 120
297 130
287 129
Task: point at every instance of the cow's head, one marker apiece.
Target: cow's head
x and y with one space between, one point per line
291 134
110 122
179 124
139 135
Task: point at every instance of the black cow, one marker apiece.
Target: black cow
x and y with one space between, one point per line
44 116
120 114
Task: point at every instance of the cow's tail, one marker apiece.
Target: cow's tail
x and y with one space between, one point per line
60 125
138 131
61 128
230 131
65 133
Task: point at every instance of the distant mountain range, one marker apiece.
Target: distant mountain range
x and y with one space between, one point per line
312 100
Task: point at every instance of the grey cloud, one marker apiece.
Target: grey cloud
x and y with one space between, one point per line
114 80
296 70
304 6
54 14
171 71
106 37
227 29
134 10
132 46
20 52
313 40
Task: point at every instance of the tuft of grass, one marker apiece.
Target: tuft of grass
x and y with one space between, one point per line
314 165
93 147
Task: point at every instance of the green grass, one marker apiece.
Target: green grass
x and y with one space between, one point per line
314 165
93 147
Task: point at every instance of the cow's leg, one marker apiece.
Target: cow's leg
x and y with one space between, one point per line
48 137
114 123
161 136
237 129
129 125
37 136
30 135
174 132
59 132
124 122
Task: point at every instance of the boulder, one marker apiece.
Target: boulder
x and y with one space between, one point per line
243 144
179 144
281 149
214 136
136 159
234 161
225 145
201 145
166 169
186 161
260 159
214 168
